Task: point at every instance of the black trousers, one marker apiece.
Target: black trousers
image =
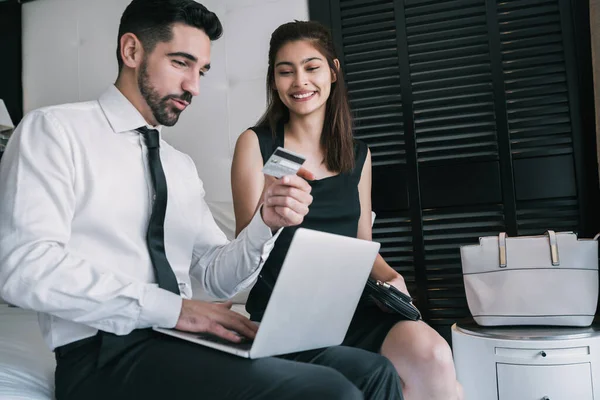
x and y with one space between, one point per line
159 367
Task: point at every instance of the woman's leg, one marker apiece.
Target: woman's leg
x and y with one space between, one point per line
423 360
420 355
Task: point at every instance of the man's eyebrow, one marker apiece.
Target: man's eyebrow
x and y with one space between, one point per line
302 62
207 67
184 55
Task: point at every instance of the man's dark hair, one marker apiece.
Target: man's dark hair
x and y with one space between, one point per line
151 21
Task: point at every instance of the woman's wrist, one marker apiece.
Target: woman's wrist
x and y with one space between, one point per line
395 277
386 277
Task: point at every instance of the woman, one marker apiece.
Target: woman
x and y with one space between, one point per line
308 113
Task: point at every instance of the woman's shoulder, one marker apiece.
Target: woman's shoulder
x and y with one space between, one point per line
267 141
247 138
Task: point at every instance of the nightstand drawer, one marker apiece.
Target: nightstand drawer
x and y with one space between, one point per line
541 354
551 382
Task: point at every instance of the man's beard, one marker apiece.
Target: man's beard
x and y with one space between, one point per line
164 113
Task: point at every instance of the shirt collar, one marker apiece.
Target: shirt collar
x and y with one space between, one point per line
120 113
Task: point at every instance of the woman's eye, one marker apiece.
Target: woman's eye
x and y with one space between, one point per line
312 68
285 72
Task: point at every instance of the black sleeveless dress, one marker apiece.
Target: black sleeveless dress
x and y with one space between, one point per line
335 209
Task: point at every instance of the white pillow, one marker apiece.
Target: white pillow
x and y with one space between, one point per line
26 364
224 216
222 212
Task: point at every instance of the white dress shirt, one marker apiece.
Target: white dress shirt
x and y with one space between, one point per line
75 201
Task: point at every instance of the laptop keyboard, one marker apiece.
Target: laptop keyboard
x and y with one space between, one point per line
245 344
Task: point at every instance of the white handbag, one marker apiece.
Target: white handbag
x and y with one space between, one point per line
532 280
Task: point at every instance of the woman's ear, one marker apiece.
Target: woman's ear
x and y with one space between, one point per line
334 73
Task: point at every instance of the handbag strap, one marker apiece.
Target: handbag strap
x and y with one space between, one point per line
551 235
502 249
553 248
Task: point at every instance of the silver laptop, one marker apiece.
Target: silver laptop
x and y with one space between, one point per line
313 300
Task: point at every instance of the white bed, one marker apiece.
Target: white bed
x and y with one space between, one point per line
26 363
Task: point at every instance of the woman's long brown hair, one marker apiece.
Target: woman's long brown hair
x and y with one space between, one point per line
337 142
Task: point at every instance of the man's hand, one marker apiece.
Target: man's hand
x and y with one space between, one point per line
215 318
286 200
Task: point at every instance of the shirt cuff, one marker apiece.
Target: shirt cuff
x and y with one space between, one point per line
260 235
160 308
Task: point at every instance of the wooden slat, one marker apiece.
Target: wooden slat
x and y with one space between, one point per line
445 230
449 55
535 78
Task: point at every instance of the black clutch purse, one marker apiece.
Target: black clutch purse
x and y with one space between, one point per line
393 299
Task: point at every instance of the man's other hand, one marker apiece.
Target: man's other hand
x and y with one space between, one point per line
215 318
286 200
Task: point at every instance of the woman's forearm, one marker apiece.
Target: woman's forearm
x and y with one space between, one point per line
382 270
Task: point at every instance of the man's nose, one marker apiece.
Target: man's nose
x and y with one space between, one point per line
192 85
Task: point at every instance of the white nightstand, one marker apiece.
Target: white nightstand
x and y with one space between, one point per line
527 363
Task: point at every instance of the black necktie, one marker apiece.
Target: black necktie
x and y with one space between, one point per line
156 228
113 346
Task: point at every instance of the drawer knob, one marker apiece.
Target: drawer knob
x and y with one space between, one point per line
543 354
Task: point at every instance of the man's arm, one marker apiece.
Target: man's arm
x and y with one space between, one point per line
37 271
226 268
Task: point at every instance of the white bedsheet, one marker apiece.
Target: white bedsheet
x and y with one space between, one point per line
26 363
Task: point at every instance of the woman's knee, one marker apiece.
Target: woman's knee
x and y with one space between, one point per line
434 355
424 347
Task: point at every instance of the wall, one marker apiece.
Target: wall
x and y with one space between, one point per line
69 55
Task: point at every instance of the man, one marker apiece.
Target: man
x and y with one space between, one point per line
102 223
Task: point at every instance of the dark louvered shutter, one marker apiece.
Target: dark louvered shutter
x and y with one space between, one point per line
471 113
540 126
370 64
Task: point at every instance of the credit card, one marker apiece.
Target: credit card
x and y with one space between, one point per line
283 162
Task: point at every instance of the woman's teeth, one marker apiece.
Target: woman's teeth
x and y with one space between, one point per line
303 96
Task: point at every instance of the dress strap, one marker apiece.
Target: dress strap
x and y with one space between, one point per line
267 141
360 155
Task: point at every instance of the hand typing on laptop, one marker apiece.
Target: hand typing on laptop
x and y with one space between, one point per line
215 318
